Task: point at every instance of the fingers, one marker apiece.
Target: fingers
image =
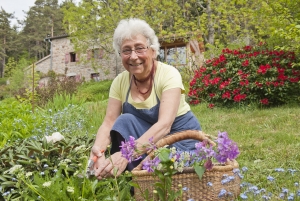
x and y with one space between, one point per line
104 170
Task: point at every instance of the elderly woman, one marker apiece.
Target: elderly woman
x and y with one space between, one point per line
145 101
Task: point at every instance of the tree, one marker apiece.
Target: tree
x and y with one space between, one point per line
6 32
44 18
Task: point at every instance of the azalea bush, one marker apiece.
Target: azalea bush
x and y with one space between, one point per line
251 75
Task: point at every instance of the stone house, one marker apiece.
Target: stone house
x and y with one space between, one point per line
64 61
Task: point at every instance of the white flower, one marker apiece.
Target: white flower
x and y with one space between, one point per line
70 189
47 184
28 174
79 148
14 169
54 137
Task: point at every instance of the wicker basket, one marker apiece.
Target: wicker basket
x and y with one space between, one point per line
197 189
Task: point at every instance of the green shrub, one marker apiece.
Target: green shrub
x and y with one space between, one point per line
94 91
17 120
251 75
56 86
38 162
3 81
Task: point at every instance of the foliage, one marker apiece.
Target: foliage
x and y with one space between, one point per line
94 91
59 88
3 81
252 75
16 121
10 66
166 161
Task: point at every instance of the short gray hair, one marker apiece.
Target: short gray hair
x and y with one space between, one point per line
128 28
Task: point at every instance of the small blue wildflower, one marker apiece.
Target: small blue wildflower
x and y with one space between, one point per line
266 197
253 188
225 181
190 199
270 178
281 195
209 184
292 171
222 193
296 184
42 173
46 165
263 190
244 169
285 190
298 193
185 188
240 176
243 196
256 192
236 170
55 170
291 197
279 170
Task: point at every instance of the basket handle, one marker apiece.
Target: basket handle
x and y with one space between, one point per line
176 137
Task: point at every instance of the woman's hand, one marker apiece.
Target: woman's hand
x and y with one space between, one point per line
112 166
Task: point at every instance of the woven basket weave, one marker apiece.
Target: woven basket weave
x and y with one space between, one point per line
197 189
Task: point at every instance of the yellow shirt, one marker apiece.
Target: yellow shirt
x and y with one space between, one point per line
166 77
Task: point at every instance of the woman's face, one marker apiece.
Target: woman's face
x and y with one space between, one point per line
138 63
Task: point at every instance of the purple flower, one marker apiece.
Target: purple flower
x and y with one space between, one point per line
128 148
204 150
152 145
208 164
227 149
150 165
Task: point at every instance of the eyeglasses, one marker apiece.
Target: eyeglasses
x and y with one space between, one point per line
139 51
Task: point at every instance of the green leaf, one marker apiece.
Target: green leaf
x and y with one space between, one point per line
164 155
199 170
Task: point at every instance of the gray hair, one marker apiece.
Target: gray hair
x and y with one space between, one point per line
128 28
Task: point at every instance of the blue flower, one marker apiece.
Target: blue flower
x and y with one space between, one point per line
222 193
292 171
291 197
279 169
185 188
285 190
244 196
270 178
244 169
209 184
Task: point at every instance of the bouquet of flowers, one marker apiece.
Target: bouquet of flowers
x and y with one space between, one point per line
166 161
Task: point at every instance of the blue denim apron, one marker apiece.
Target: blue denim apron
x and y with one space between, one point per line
135 122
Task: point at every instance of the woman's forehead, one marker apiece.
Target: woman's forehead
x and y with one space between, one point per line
135 40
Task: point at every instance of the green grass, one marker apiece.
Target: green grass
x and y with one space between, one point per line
267 139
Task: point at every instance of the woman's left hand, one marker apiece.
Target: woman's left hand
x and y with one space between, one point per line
112 166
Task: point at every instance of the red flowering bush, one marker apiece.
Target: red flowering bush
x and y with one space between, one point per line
252 74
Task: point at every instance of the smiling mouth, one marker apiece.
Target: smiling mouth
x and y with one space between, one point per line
135 65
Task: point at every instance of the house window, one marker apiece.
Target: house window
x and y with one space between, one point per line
173 55
95 77
72 57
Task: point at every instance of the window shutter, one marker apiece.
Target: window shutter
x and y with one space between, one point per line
77 56
67 58
89 54
101 53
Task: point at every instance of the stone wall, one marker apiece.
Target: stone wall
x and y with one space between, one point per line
108 66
